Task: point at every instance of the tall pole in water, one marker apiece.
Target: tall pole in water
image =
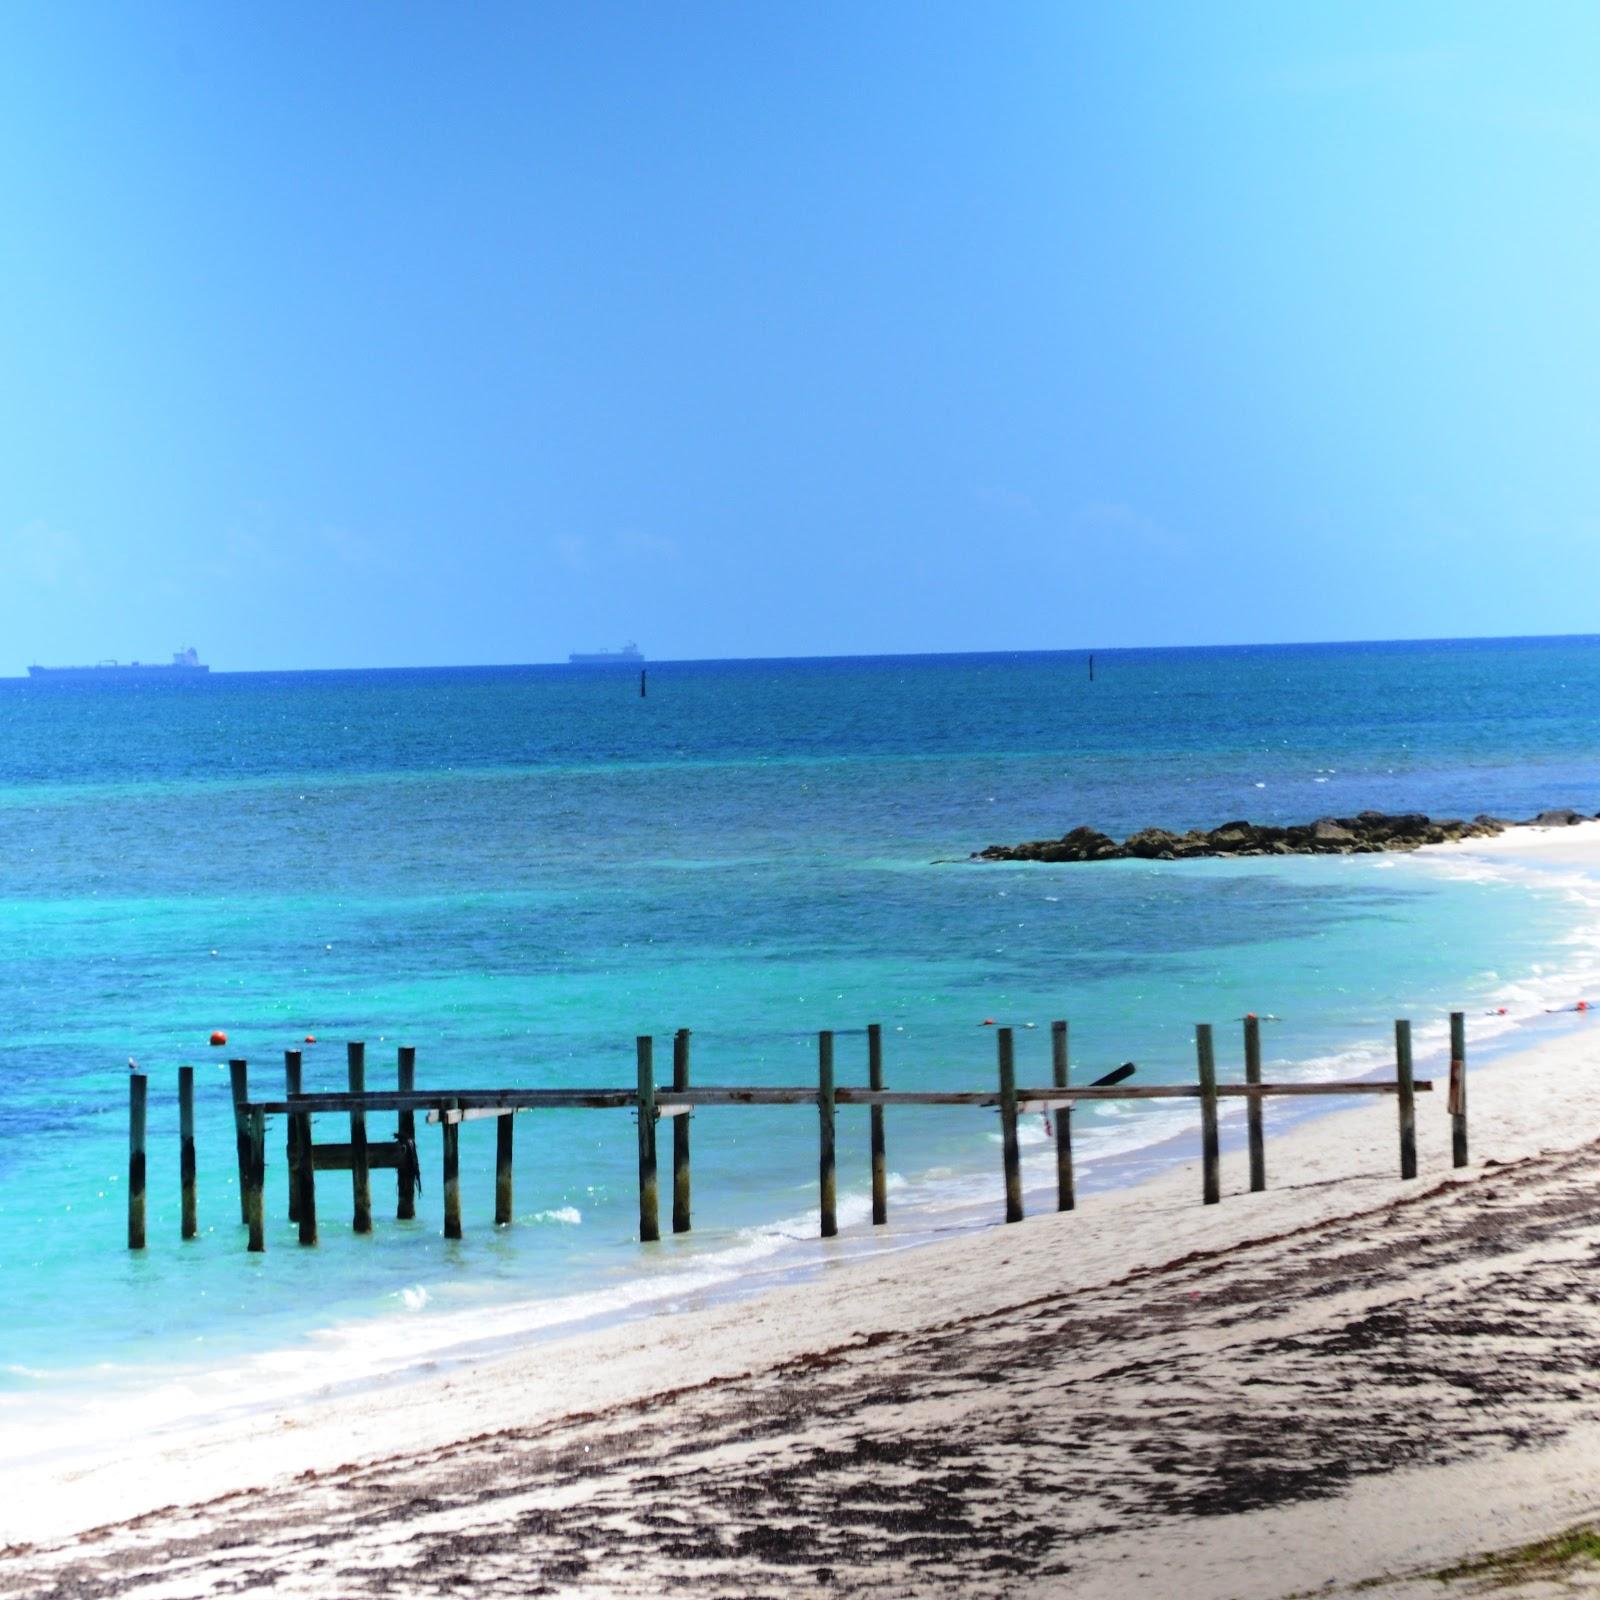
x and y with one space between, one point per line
642 671
1091 669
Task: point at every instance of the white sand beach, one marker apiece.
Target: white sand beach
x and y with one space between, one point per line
1346 1378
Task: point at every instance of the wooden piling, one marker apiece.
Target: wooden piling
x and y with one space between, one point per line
1253 1106
1066 1189
680 1137
405 1208
256 1136
360 1173
138 1098
1210 1153
186 1173
293 1085
305 1180
1010 1152
828 1185
239 1084
503 1135
450 1129
1407 1100
1458 1088
880 1160
649 1201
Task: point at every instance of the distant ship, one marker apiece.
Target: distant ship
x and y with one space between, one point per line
184 665
628 654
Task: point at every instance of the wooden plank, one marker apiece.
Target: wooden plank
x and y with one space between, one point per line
501 1102
385 1156
879 1151
1458 1088
239 1086
826 1167
190 1222
502 1172
256 1132
292 1086
1011 1156
1210 1154
451 1132
1408 1110
138 1100
360 1171
1255 1131
649 1200
682 1193
1066 1188
305 1181
405 1199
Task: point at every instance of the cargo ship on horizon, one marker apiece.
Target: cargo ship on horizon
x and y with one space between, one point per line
184 666
628 655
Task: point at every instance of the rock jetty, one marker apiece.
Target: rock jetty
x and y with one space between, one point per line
1363 834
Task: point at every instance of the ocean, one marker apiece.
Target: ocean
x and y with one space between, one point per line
518 870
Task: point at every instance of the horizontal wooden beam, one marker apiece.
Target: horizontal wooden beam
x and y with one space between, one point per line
471 1104
338 1157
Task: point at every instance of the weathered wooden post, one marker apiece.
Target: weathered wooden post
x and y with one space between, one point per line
239 1083
293 1085
1210 1154
1253 1106
405 1133
256 1131
828 1186
360 1174
1458 1088
190 1225
1407 1099
1010 1152
305 1181
1066 1190
138 1095
450 1128
880 1159
680 1136
503 1135
649 1203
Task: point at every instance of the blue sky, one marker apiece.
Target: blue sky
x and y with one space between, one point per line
395 333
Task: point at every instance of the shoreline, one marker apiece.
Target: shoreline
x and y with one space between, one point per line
1083 1264
1320 1168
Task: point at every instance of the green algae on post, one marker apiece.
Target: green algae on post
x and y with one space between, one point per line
681 1209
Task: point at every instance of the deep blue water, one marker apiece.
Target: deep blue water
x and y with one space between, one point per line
518 870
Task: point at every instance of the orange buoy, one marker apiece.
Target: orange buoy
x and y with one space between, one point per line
218 1036
988 1022
311 1038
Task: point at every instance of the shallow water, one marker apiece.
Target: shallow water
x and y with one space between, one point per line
518 870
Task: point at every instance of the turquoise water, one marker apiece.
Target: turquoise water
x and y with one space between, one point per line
518 870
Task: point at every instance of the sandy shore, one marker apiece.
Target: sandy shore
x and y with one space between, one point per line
1345 1378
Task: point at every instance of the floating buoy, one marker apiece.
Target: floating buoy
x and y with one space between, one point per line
218 1036
988 1022
311 1038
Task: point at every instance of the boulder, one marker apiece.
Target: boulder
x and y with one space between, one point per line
1563 817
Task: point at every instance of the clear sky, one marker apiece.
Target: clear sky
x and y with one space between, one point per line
372 334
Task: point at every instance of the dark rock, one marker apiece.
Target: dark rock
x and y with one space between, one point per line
1362 834
1563 817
